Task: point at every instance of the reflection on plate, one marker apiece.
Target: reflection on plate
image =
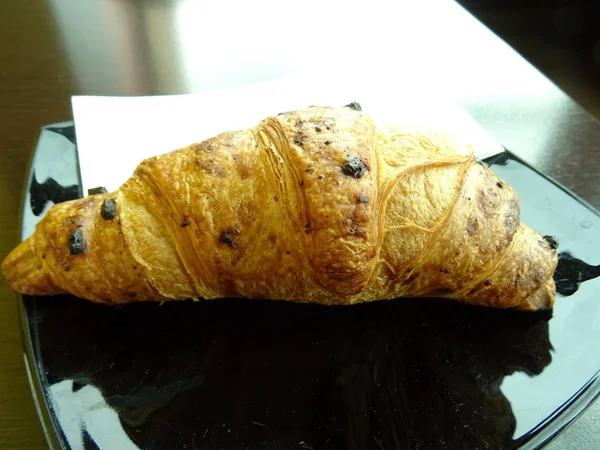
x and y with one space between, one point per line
242 374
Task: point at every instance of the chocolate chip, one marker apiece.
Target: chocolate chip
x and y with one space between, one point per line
354 105
307 228
487 283
299 138
184 222
354 168
67 268
318 129
97 190
76 242
227 238
108 211
327 142
363 199
552 242
500 184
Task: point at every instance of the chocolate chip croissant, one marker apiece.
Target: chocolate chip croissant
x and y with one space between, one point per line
320 205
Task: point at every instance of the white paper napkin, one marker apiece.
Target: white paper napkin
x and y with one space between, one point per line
114 134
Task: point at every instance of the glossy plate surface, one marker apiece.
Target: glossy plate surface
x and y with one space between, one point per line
246 374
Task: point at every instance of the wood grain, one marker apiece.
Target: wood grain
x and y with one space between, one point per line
34 90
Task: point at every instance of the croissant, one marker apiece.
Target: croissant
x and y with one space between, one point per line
321 205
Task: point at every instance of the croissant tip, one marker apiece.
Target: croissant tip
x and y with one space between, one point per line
24 271
541 300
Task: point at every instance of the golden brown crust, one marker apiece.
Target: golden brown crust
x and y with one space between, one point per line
105 271
316 205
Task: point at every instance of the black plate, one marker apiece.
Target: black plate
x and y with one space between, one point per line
241 374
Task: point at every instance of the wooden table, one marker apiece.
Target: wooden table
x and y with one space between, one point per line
42 65
35 85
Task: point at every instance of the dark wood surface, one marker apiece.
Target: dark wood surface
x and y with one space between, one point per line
34 90
560 37
37 78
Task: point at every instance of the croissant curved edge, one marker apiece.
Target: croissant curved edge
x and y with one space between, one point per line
319 205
